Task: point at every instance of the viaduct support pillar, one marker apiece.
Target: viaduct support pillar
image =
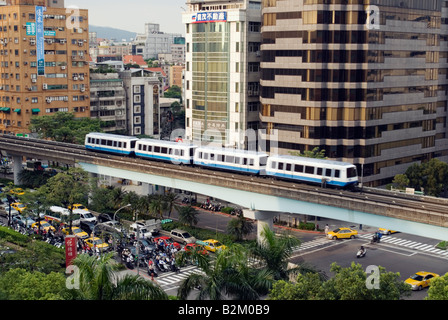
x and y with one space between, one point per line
264 219
17 167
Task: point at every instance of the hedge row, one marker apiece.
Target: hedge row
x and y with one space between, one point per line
12 236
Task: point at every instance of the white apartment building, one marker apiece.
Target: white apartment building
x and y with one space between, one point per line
222 72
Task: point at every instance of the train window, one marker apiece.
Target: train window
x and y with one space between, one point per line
97 141
164 150
280 165
288 167
263 161
149 148
115 144
191 152
309 170
251 162
109 143
125 145
245 161
273 164
206 156
230 159
327 172
337 173
119 144
133 144
200 155
212 156
220 157
319 171
351 172
298 168
237 160
182 153
145 147
157 149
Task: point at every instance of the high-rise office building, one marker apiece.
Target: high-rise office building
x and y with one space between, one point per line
222 70
44 62
366 80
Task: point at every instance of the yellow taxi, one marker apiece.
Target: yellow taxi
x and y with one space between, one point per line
77 232
386 231
79 207
17 191
18 206
421 279
44 225
212 245
342 233
97 242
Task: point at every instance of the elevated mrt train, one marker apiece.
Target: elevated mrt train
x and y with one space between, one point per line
316 171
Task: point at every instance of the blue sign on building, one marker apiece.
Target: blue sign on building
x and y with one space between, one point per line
40 46
209 17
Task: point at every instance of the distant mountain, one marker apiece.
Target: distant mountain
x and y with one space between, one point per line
112 33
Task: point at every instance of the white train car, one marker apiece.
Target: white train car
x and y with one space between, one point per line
249 162
175 152
112 143
332 173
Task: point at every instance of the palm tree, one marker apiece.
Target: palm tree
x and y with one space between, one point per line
157 206
97 281
228 275
275 252
239 227
170 200
188 215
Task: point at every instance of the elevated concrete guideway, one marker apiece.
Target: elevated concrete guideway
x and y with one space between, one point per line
417 215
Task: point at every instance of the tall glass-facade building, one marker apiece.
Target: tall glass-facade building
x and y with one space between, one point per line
222 70
366 80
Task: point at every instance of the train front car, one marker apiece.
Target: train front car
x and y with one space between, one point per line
110 143
169 151
227 159
315 171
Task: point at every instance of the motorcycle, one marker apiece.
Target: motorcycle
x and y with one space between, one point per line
361 253
376 238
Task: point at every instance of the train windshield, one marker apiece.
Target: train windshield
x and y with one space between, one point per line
351 173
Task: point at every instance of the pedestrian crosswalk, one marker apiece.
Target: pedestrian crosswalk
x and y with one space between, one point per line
396 241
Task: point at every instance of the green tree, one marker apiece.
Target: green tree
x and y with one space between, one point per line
67 188
37 256
170 200
158 206
229 275
20 284
438 289
98 281
431 176
188 215
275 251
239 227
315 153
347 284
64 127
401 180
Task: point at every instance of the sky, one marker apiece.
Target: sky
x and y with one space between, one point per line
131 15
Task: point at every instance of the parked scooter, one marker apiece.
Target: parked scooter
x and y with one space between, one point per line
361 252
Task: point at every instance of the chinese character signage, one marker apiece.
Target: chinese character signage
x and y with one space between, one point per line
30 29
201 17
70 249
40 51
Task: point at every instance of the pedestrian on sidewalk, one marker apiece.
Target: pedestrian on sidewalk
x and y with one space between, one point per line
327 229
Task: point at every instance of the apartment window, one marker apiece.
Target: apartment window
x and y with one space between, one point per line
137 89
137 98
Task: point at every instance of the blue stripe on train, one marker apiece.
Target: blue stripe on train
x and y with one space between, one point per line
94 148
151 156
219 166
308 179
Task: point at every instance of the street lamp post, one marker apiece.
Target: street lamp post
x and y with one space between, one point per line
126 206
